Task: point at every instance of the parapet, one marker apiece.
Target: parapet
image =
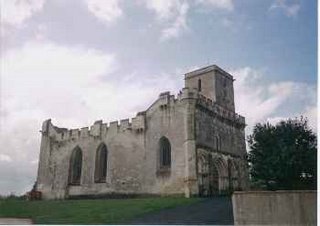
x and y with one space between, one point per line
98 129
125 124
220 111
95 129
188 93
206 70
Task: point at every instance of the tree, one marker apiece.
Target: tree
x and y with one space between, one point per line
283 156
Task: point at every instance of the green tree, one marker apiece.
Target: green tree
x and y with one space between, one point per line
283 156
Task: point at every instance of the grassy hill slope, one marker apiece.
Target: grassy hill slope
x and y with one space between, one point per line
103 211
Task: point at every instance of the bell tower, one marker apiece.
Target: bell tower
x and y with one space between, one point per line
213 83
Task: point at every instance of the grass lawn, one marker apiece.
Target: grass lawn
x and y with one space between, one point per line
104 211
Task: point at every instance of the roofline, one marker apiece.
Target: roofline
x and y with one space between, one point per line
207 69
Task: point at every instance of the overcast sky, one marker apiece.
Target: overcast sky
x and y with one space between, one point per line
78 61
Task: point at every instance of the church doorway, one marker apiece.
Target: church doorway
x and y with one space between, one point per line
208 175
214 179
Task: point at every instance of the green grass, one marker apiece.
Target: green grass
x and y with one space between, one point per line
103 211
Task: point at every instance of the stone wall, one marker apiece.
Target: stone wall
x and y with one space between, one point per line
126 153
133 152
275 208
216 84
189 121
219 129
165 118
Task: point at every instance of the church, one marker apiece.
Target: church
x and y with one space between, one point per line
191 144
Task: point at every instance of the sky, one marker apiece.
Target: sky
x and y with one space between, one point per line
79 61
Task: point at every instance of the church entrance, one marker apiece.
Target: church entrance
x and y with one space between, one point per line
208 175
214 180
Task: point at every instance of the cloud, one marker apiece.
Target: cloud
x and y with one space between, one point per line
260 101
73 86
311 112
217 4
290 10
171 14
39 81
5 158
106 11
227 22
178 25
164 9
15 12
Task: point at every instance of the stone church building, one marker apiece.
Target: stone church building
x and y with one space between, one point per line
190 144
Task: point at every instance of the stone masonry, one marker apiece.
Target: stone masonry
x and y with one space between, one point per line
192 144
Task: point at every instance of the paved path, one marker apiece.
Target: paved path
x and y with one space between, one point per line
15 221
214 211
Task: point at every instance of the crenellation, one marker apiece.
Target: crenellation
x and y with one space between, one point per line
45 127
104 129
95 129
172 98
74 133
219 110
164 99
98 128
241 120
141 113
67 135
125 124
138 122
187 125
189 93
113 127
98 122
164 94
84 132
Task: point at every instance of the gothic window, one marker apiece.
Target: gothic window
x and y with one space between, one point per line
199 85
165 152
75 166
100 172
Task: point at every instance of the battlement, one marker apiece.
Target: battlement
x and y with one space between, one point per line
166 98
98 129
188 93
137 124
220 111
185 93
207 69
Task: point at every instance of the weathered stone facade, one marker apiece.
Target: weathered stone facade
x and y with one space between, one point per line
192 144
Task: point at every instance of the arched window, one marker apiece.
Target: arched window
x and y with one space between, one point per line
100 172
199 85
165 152
75 166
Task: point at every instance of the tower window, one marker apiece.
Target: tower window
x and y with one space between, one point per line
199 85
